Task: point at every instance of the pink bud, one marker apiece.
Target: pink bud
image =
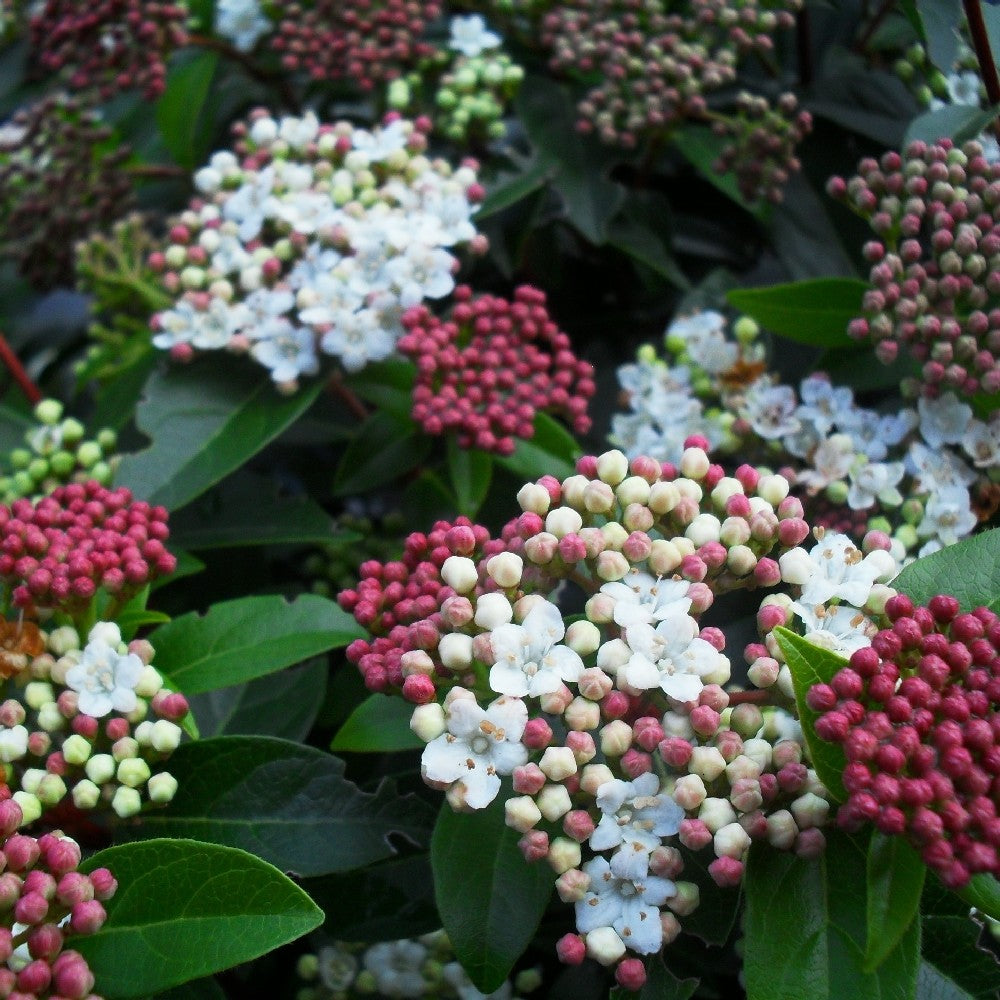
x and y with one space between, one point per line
87 917
767 573
72 976
578 824
634 763
571 949
104 883
675 751
726 872
31 908
45 941
529 779
631 974
35 977
694 834
534 845
21 852
537 734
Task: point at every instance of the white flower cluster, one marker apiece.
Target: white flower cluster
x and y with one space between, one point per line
318 239
241 22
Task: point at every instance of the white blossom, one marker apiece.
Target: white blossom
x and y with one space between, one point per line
839 628
836 568
104 678
823 403
470 36
644 598
948 515
770 409
875 481
944 420
397 967
241 22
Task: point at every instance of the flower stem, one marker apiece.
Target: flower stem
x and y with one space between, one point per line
20 376
981 43
346 395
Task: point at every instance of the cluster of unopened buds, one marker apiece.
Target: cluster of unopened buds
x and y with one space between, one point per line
763 140
45 903
57 552
94 724
915 713
935 262
657 66
109 45
57 453
313 239
423 966
56 144
366 43
486 371
614 730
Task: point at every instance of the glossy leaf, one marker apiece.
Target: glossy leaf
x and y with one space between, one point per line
552 451
179 109
489 898
249 708
237 641
941 20
969 571
983 892
197 989
810 664
380 724
805 928
287 803
246 509
814 312
204 421
644 244
895 876
386 447
470 470
959 122
184 910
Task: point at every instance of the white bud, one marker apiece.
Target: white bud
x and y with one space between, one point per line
604 945
86 794
663 498
150 682
707 762
557 763
796 566
554 802
534 499
759 751
593 776
731 841
694 463
428 721
715 813
76 750
664 557
165 736
31 808
785 684
583 637
573 488
493 610
635 489
725 488
781 830
162 787
63 639
505 569
598 497
133 771
459 572
704 528
100 768
773 489
563 521
50 718
38 693
742 766
126 802
455 651
564 854
521 813
582 714
810 810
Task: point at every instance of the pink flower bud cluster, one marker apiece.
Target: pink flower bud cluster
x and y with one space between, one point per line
655 65
57 144
45 903
935 262
763 141
400 602
916 716
57 552
484 373
109 45
55 753
366 43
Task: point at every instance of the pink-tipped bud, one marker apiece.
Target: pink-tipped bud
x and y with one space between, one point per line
537 734
534 845
104 883
631 974
72 976
571 949
87 917
21 852
578 824
694 834
31 908
529 779
726 872
35 977
45 941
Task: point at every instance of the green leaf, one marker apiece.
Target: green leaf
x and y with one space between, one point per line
579 164
204 421
895 877
813 312
983 892
380 724
968 571
185 910
645 245
510 190
805 928
239 640
941 20
246 509
287 803
385 449
470 470
388 385
661 984
810 664
13 426
551 451
197 989
249 708
179 110
701 147
490 899
718 908
959 122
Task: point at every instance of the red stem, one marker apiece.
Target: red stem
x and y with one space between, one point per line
347 396
20 376
981 43
750 698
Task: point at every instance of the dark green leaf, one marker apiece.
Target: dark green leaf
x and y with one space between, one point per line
388 385
118 396
179 109
551 451
287 803
805 928
701 147
184 910
661 984
249 708
237 641
380 724
246 509
197 989
983 892
810 312
645 245
490 899
385 902
941 20
810 664
718 908
510 190
470 471
13 426
204 420
385 448
895 880
969 571
959 122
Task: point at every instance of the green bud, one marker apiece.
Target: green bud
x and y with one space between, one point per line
88 454
912 511
49 411
916 54
496 130
21 458
76 749
307 967
24 485
101 471
62 463
31 808
51 790
72 431
924 95
446 99
133 772
493 73
907 536
107 438
746 330
836 492
162 787
938 83
100 768
880 524
126 802
465 79
86 794
903 69
38 469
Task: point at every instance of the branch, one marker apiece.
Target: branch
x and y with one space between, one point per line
20 376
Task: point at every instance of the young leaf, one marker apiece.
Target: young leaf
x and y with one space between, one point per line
941 20
236 641
386 447
287 803
180 107
380 724
810 664
490 899
895 878
470 471
805 928
204 421
969 571
184 910
813 312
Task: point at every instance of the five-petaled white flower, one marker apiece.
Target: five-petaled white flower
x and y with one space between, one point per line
478 747
835 568
644 598
104 678
470 36
529 661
